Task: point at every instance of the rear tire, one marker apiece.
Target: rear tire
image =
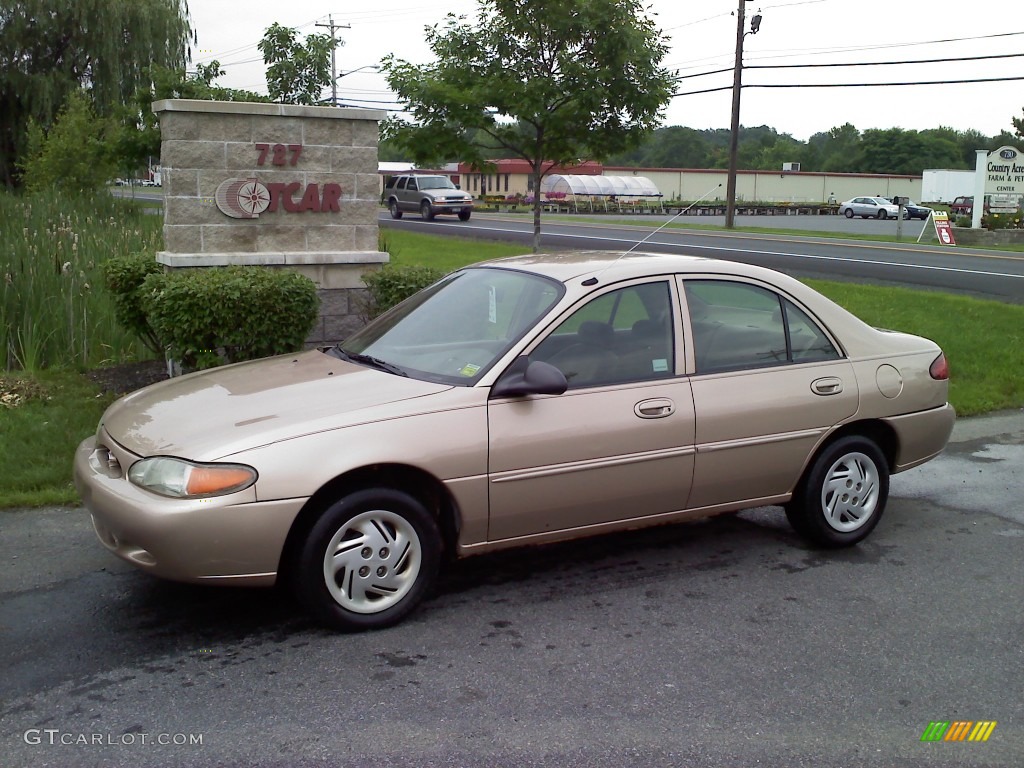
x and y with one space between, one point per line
368 560
849 213
396 212
843 494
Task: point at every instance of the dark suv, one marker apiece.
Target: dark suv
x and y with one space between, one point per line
430 195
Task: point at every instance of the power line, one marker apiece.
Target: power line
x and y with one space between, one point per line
855 64
882 63
855 85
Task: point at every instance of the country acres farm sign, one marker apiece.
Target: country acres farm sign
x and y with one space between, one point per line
1004 169
248 197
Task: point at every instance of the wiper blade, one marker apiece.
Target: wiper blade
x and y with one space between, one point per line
375 362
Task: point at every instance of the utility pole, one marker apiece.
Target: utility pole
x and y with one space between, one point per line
734 136
334 64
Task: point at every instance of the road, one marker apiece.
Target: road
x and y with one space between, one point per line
997 275
721 643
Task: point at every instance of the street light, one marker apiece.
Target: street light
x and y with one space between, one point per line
734 137
360 69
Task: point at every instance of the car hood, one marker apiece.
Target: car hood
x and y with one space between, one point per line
211 414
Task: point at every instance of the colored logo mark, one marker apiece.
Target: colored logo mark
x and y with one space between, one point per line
958 730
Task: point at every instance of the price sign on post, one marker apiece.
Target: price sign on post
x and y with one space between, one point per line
943 229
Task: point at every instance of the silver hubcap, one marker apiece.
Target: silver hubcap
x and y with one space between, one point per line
372 562
850 493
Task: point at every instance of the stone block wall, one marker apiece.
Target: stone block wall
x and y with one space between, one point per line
317 167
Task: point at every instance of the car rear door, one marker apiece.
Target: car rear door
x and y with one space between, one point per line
618 444
769 382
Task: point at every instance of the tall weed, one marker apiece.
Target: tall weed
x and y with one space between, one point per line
54 310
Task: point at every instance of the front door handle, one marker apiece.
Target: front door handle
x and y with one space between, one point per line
657 408
830 385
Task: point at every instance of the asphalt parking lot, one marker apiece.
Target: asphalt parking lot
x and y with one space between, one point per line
720 643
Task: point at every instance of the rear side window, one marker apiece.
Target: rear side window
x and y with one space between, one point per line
738 326
402 181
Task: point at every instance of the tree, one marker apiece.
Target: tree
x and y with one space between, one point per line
75 154
52 48
549 82
139 138
297 73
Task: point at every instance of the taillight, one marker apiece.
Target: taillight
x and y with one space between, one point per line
939 369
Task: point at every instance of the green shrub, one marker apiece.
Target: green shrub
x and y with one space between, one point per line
393 285
217 315
124 276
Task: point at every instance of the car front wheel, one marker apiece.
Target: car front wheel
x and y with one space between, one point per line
881 215
369 560
843 494
396 212
426 211
464 215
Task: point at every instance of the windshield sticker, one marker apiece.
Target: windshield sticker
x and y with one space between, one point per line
492 305
469 369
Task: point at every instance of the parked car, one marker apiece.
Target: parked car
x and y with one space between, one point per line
869 207
962 206
914 211
430 195
520 401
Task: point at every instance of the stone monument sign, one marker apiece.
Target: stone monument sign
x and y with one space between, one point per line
277 185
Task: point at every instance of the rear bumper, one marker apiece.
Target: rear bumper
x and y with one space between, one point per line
921 436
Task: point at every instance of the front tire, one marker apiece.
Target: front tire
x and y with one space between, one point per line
881 215
464 215
369 560
396 212
426 211
842 496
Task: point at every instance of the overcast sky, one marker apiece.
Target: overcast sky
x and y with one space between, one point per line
703 39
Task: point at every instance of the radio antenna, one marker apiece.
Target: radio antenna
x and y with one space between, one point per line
684 210
593 280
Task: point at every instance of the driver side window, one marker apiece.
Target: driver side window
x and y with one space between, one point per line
622 336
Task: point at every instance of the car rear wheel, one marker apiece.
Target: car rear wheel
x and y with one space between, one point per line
843 494
849 213
396 212
426 211
369 560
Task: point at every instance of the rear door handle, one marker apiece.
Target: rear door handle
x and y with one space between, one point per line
830 385
658 408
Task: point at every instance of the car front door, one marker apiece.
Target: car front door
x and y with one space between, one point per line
618 444
769 382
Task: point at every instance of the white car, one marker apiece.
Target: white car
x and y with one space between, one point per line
869 207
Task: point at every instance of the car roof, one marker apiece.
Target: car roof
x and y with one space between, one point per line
613 266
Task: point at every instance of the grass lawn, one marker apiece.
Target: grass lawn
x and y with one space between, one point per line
44 416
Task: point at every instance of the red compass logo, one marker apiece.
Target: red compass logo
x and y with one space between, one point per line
242 198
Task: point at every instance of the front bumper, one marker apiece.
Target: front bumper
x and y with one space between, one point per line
234 539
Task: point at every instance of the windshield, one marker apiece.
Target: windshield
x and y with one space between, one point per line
456 329
434 182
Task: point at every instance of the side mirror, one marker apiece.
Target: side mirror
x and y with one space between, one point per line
526 377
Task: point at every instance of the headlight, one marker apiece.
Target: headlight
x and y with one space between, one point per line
188 480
